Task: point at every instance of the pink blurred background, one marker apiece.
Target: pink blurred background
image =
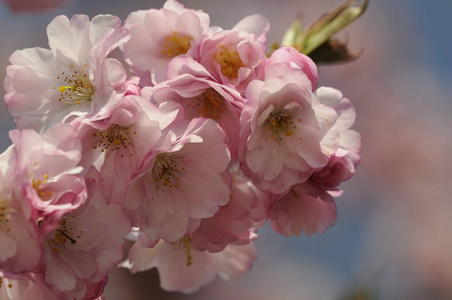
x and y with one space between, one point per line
391 239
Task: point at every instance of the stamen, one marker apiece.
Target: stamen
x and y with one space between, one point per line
186 240
77 88
2 280
210 104
229 61
166 171
280 123
39 186
176 44
5 211
62 234
114 138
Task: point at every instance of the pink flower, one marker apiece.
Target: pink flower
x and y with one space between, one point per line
197 94
305 207
341 165
232 224
36 5
73 78
337 170
236 56
159 35
85 245
290 57
181 183
349 140
48 170
122 135
19 246
283 120
185 269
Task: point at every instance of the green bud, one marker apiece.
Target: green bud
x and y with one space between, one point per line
294 34
324 28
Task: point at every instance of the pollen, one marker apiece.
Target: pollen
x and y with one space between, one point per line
229 61
209 104
2 281
280 124
176 44
61 235
76 88
113 139
5 214
40 187
166 171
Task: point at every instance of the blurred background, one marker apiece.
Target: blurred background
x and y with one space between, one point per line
391 239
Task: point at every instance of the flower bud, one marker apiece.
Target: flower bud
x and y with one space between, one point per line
324 28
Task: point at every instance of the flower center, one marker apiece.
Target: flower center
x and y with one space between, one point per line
114 138
280 124
209 104
5 210
176 44
166 171
229 62
76 88
39 186
62 234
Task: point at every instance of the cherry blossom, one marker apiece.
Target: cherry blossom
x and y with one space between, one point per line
72 78
233 223
48 169
295 61
85 245
19 247
206 142
304 207
341 165
120 139
184 269
176 187
284 120
197 94
159 35
310 206
236 56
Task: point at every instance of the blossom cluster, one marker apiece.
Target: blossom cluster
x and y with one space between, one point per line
206 141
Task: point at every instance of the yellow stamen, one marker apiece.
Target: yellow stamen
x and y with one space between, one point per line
114 138
229 61
280 123
166 170
39 187
176 44
76 88
186 240
210 104
64 88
